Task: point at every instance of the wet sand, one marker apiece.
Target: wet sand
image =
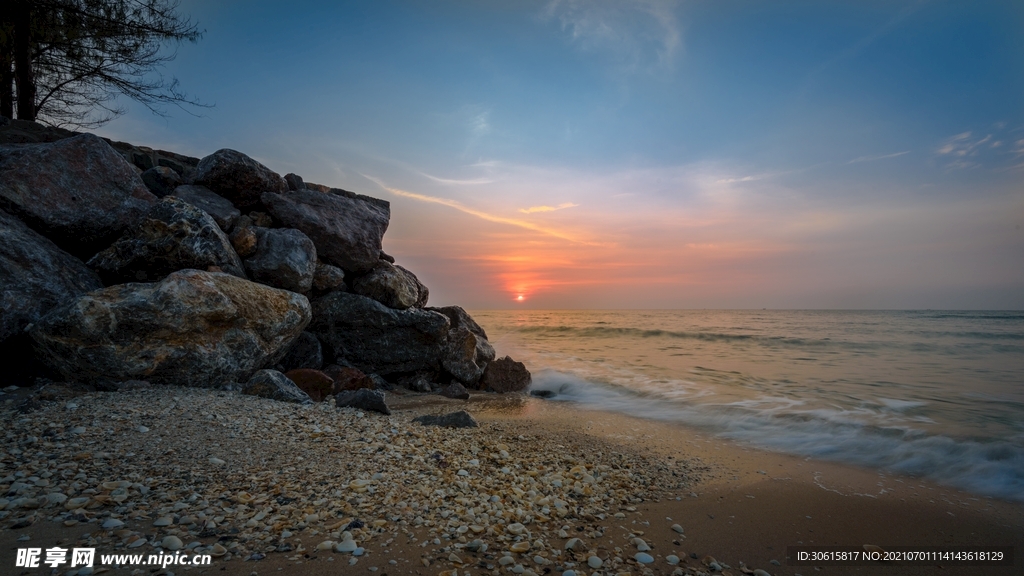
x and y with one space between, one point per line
741 506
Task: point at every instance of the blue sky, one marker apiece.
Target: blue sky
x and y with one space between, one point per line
617 154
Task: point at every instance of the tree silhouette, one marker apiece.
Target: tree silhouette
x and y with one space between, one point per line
71 59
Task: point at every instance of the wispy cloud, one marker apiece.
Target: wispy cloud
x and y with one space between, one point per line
637 34
533 209
481 214
458 182
879 157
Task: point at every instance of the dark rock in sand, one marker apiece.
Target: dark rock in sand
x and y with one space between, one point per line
392 286
347 378
193 328
284 258
363 399
467 351
161 180
542 393
347 229
174 235
328 278
455 391
378 339
460 419
222 211
304 353
318 385
237 177
276 386
505 375
78 192
37 276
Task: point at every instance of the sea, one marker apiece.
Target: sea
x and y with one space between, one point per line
932 394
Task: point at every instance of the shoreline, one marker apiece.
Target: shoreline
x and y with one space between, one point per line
749 504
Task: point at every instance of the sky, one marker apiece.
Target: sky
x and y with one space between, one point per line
639 153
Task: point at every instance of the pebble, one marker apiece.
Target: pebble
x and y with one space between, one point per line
216 461
759 572
520 547
346 546
171 543
672 559
325 545
594 562
111 523
163 521
643 558
515 528
677 528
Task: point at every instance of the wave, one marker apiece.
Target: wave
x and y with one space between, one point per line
991 468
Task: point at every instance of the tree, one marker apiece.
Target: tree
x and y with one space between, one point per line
72 59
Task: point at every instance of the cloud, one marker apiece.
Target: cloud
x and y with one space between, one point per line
880 157
637 34
456 182
533 209
481 214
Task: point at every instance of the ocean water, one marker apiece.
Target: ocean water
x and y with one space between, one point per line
934 394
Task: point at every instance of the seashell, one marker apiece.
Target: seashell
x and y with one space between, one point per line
137 543
163 521
111 523
75 503
520 547
672 559
453 558
115 485
677 528
346 546
576 545
218 550
325 545
515 528
171 543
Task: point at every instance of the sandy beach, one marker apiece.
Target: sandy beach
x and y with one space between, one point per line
262 485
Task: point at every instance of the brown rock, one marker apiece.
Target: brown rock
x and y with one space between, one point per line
237 177
318 385
454 390
244 241
505 375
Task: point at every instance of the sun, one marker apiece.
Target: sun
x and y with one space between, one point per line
519 298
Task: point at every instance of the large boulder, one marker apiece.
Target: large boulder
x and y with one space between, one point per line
174 235
78 192
237 177
460 419
392 286
467 351
505 375
37 276
304 353
378 339
328 278
215 205
284 258
161 180
275 386
346 228
318 385
193 328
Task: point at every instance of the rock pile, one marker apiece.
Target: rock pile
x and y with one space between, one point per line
121 263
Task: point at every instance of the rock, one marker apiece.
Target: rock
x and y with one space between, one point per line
349 378
294 182
363 399
243 240
346 228
672 559
193 328
328 278
174 235
387 257
261 219
505 375
392 286
643 558
378 339
171 543
594 562
222 211
422 381
466 351
313 382
677 528
276 386
455 391
460 419
237 177
304 353
161 180
542 393
284 258
37 276
77 192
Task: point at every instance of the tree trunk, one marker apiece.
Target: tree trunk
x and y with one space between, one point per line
23 76
6 85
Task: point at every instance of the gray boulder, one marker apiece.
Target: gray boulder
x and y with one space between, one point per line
284 258
193 328
276 386
222 211
304 353
505 375
161 180
37 276
346 228
454 391
363 399
328 278
392 286
377 339
466 351
78 192
460 419
174 235
237 177
294 181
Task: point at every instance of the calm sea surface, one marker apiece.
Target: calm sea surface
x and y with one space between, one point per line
928 393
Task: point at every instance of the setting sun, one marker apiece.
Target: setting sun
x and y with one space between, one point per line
519 298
